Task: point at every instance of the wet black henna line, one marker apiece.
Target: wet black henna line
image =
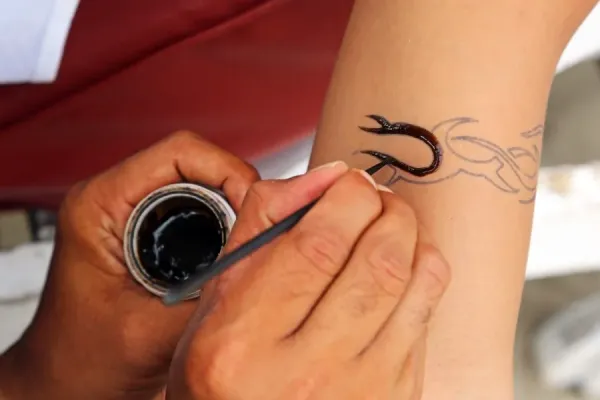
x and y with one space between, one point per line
503 167
404 129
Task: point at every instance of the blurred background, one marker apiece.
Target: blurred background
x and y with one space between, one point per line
87 106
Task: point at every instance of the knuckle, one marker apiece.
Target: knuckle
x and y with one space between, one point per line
353 197
76 190
436 271
362 190
182 137
300 286
365 297
312 379
181 142
389 268
416 318
323 250
212 367
73 195
422 315
250 173
398 208
71 204
390 259
260 192
363 194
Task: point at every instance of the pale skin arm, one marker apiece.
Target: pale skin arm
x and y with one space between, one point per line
428 61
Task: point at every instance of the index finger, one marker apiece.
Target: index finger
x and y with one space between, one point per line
302 265
431 277
182 156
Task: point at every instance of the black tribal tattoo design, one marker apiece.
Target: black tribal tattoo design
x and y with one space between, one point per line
401 128
512 170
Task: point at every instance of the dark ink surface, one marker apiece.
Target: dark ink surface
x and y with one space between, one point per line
510 169
404 129
178 238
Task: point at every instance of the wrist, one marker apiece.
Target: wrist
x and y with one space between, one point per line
53 360
9 387
77 347
15 375
28 373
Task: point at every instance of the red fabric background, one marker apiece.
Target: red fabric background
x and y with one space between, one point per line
248 74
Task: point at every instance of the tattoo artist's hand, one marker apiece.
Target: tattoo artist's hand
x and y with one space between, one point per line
335 309
98 334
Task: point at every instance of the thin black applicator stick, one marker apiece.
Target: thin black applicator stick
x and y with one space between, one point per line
198 280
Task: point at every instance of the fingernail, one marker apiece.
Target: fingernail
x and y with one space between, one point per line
368 177
334 164
382 188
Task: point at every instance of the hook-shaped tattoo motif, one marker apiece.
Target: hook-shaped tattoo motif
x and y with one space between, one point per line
512 170
401 128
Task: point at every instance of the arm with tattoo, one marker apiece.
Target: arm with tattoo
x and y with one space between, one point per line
512 170
452 97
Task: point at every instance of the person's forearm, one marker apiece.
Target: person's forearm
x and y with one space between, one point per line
24 376
478 74
26 373
13 385
47 363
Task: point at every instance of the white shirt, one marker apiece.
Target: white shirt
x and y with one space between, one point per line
33 34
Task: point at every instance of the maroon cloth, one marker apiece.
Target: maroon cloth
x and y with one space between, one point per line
250 75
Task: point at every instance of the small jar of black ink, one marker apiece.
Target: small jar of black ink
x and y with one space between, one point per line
174 232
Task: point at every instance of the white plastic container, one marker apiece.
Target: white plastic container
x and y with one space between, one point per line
211 200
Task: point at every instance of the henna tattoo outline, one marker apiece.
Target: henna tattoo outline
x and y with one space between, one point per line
401 128
502 167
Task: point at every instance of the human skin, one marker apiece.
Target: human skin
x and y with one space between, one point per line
477 74
97 334
336 308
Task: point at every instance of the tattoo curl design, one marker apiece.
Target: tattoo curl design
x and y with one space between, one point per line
512 170
401 128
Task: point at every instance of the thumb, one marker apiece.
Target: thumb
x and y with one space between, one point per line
267 203
270 201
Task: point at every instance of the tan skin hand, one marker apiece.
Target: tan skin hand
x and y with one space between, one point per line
337 308
97 334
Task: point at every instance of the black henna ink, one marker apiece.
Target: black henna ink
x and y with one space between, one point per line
404 129
505 168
